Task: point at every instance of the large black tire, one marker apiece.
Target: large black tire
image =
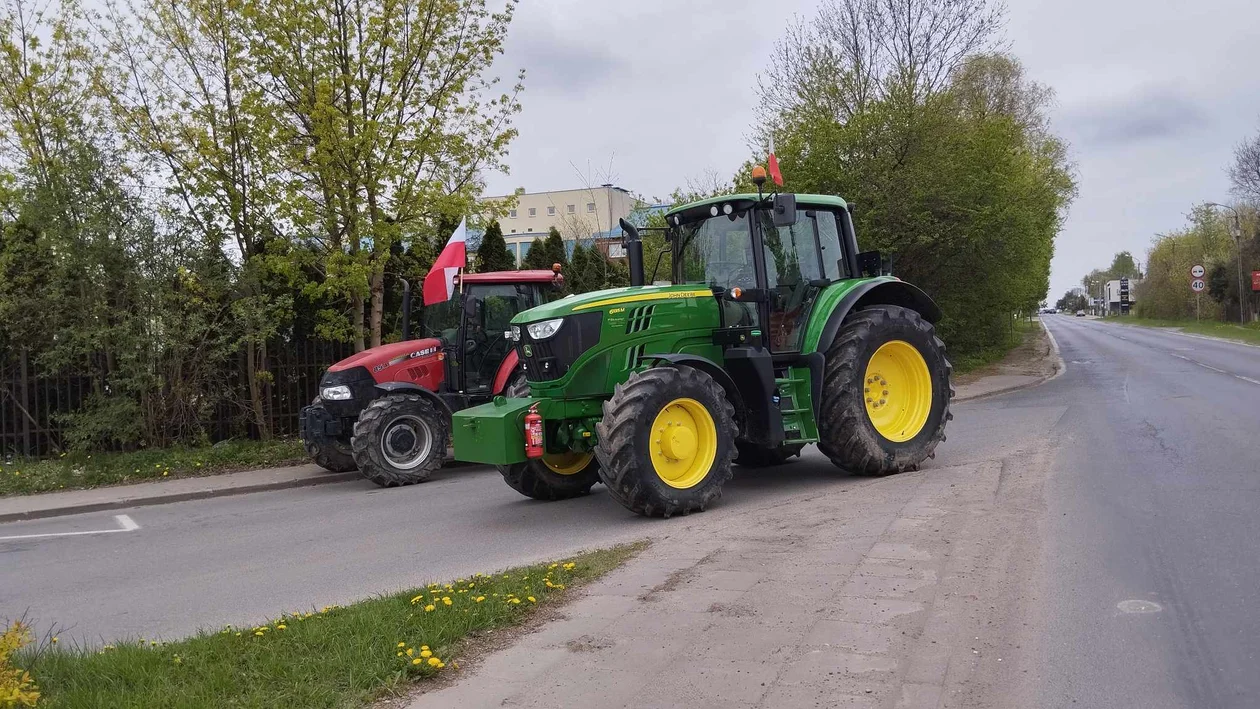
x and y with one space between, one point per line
534 478
625 439
752 456
331 454
388 441
848 437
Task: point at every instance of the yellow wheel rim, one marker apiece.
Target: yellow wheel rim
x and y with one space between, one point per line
898 391
567 463
683 443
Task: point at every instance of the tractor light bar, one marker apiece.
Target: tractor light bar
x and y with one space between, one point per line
338 393
546 328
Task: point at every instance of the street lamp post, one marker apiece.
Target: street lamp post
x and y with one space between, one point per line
1236 232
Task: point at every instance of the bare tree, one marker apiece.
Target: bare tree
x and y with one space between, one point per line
857 51
1245 172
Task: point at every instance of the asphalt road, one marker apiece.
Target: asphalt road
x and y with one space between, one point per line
1150 548
1124 523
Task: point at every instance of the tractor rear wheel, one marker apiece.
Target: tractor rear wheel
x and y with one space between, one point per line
400 439
331 454
666 441
754 456
556 476
886 392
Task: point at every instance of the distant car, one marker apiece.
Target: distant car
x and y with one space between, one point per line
1080 313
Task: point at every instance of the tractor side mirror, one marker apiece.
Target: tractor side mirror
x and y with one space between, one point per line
784 209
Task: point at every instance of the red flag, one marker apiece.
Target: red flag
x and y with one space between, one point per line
439 285
774 165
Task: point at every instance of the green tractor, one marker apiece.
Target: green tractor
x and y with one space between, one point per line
773 333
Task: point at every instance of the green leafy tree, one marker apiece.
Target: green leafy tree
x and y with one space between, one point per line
535 258
493 254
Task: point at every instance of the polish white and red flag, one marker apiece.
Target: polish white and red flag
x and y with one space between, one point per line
439 285
774 165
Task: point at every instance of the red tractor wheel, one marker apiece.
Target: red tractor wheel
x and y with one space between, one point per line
400 439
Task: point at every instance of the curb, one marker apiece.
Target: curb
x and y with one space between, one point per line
1059 369
164 498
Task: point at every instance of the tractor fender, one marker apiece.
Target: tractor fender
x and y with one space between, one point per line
878 292
409 388
711 368
506 368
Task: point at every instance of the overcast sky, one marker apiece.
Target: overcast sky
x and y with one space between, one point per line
1152 98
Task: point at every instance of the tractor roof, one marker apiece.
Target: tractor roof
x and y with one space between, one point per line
820 200
530 276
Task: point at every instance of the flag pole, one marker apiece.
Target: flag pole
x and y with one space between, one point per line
461 280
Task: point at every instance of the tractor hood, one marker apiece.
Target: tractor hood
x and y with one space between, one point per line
378 358
610 298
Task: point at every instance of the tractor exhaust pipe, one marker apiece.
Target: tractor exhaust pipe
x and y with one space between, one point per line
406 310
634 251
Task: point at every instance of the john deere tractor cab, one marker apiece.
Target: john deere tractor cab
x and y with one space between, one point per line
775 333
387 410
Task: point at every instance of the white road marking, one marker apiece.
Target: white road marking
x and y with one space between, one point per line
1208 366
1139 606
1248 379
125 524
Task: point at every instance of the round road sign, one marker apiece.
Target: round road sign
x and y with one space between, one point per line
1197 285
1196 271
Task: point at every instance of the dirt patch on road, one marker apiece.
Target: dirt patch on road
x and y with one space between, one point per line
1034 357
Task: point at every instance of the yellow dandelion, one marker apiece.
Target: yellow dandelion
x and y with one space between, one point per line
259 633
424 647
402 644
553 566
426 653
416 600
430 608
411 651
514 600
434 662
569 566
282 626
479 599
55 639
416 661
532 599
446 600
440 665
398 655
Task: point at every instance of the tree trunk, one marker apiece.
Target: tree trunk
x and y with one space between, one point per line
356 315
255 392
378 306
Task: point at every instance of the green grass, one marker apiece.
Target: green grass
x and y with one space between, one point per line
337 657
1249 333
972 361
74 471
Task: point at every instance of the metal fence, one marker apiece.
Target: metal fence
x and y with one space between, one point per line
31 401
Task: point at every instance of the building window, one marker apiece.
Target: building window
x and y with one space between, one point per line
513 231
571 208
512 213
551 211
533 211
590 206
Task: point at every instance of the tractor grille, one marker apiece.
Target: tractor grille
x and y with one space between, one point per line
639 319
551 358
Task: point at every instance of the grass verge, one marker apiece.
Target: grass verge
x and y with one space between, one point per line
77 471
343 656
1020 330
1249 333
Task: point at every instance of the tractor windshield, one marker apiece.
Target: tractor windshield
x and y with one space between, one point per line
441 320
716 252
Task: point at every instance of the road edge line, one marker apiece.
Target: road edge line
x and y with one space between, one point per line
166 498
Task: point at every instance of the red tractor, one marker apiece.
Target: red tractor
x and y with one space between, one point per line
387 410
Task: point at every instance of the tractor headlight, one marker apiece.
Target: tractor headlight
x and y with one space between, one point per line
546 328
515 333
338 393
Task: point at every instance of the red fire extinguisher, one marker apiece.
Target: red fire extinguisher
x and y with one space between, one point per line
533 433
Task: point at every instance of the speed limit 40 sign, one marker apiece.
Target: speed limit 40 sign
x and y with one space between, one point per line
1197 285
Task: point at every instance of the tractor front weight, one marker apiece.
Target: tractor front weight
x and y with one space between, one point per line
494 433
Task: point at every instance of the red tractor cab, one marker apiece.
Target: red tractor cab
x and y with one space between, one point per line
387 410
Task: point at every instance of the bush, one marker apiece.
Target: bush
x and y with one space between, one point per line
17 689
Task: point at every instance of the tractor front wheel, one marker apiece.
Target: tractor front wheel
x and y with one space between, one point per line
331 454
400 439
886 392
555 476
666 441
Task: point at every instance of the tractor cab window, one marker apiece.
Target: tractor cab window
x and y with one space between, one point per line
441 320
717 252
491 308
794 275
